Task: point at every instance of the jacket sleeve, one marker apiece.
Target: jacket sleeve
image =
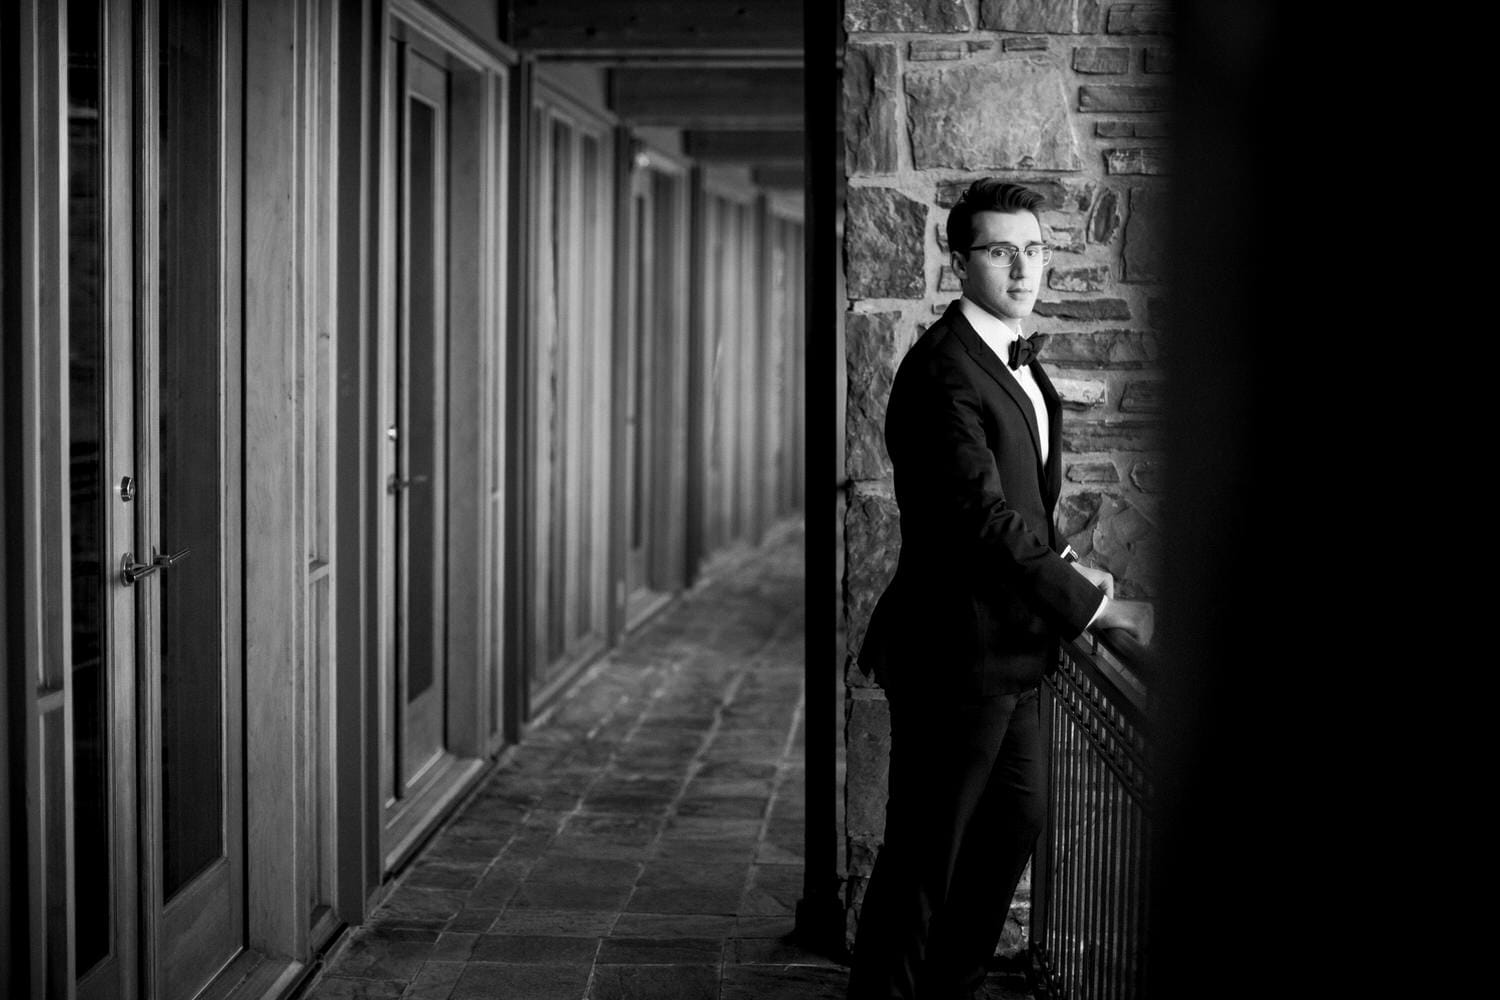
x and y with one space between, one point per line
954 456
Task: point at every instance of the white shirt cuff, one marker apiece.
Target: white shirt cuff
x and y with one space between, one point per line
1102 598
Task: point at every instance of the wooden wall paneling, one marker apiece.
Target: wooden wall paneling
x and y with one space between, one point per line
232 371
320 364
769 333
379 450
274 569
622 208
352 790
572 482
750 326
520 641
570 335
676 286
543 335
496 412
694 397
10 947
42 461
598 299
467 273
800 379
383 665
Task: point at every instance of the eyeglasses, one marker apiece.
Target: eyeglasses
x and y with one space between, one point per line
1003 254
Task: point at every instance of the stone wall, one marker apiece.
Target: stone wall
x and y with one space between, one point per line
1066 96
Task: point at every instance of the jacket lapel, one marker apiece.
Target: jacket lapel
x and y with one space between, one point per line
998 371
1053 478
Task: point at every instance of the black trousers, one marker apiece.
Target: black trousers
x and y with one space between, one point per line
965 809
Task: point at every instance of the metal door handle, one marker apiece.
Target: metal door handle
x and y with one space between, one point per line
131 571
167 562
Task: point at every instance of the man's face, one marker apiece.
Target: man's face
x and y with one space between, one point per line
1008 292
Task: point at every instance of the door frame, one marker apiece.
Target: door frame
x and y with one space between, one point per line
477 307
666 402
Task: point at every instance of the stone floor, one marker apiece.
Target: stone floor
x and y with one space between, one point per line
643 842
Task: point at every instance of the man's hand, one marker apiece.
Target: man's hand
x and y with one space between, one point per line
1136 617
1101 578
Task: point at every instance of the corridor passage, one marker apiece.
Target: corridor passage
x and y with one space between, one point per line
644 841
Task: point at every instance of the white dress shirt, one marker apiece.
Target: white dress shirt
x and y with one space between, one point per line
998 336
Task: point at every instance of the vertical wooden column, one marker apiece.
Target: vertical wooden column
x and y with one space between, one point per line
274 533
819 911
358 105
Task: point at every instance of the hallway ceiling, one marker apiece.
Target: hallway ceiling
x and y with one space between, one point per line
727 72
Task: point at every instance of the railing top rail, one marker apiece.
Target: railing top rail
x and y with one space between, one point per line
1118 664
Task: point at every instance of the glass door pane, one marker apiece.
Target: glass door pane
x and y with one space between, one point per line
88 474
421 416
189 425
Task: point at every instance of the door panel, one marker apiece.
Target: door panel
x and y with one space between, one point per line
423 437
96 925
158 905
417 758
198 752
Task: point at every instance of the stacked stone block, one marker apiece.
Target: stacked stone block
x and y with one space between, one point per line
1069 98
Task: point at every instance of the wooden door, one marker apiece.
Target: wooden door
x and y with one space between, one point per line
417 759
639 430
158 827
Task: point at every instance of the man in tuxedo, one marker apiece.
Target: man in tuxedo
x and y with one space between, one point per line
971 620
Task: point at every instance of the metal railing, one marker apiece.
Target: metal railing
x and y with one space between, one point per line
1091 871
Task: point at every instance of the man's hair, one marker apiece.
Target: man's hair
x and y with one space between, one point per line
988 194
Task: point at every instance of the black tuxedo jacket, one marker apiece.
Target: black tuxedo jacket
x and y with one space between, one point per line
980 595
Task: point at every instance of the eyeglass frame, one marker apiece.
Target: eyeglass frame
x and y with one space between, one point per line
1015 252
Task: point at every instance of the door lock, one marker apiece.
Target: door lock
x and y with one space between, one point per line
131 571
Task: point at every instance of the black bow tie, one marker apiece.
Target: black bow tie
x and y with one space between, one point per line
1024 350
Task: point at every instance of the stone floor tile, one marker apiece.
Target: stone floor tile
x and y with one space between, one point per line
487 981
453 946
646 838
764 925
568 923
773 951
713 828
435 981
761 982
621 828
554 867
693 875
669 925
385 959
430 904
713 901
677 848
343 988
655 982
661 951
535 949
570 896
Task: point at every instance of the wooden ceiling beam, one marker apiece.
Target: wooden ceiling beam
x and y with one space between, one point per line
767 146
682 27
708 98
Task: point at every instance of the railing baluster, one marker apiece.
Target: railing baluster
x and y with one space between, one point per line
1089 909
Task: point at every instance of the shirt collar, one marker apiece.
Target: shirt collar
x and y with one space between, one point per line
995 332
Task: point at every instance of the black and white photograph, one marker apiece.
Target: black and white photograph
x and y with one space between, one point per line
716 499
